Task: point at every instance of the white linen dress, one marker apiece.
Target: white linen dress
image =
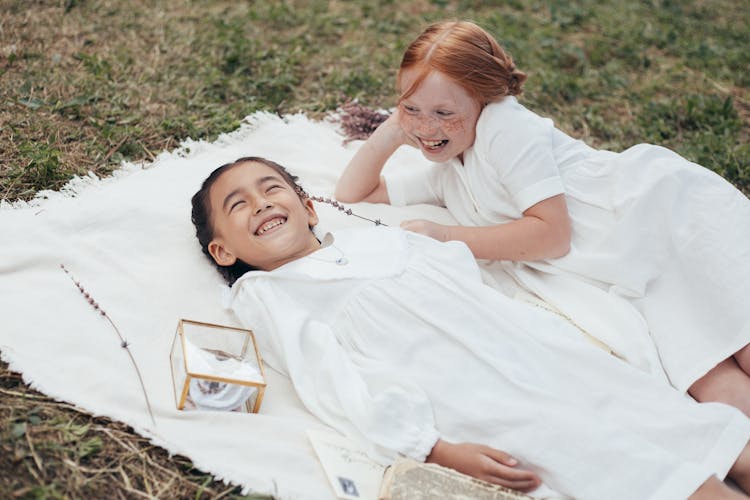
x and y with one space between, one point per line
659 266
405 344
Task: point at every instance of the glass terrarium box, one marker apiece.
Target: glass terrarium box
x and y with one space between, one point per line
216 367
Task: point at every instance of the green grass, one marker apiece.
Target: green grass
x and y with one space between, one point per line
86 84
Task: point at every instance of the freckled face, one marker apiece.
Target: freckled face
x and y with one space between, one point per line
440 116
259 219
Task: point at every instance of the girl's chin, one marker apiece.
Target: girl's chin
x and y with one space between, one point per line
439 155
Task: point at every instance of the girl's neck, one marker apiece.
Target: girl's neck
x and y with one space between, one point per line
311 248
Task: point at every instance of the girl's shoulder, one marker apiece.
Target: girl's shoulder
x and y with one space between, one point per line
510 120
507 114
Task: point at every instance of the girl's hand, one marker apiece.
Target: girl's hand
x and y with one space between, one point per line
485 463
392 133
427 228
361 179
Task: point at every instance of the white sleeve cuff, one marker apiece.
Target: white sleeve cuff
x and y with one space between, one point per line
542 190
424 445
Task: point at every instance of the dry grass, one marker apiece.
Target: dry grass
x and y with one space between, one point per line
50 449
86 87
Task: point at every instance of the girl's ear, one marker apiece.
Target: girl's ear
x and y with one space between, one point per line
312 216
221 255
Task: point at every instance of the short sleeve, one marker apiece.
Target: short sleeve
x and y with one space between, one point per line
417 185
518 146
529 170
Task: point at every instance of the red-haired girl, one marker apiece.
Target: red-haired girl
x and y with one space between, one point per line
643 249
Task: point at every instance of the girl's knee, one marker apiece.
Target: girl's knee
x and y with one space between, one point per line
725 383
725 378
714 489
742 357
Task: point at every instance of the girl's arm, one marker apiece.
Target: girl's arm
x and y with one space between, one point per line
485 463
375 406
543 232
361 180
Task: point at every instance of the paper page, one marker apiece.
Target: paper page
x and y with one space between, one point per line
352 474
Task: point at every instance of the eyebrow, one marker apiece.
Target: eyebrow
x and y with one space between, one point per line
440 105
259 182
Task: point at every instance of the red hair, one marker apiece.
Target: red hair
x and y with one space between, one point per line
466 54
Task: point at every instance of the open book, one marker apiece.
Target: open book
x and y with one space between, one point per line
354 476
407 479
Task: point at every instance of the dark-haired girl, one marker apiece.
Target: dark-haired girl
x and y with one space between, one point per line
392 338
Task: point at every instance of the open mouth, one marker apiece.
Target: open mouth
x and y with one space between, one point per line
270 225
433 145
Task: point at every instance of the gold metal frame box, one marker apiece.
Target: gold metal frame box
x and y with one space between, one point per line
216 367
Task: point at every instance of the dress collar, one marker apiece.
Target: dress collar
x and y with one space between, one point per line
370 252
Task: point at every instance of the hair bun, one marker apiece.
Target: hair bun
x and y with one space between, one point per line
515 81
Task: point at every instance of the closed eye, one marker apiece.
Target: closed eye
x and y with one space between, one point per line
410 109
235 205
273 187
443 113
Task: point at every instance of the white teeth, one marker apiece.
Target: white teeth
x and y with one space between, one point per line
270 225
433 144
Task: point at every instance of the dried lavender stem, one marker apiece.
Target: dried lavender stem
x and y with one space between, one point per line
376 221
123 343
342 208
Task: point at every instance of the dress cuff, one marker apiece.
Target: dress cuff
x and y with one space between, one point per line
424 444
540 191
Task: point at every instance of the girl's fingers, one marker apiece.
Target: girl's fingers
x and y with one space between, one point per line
523 486
509 476
501 456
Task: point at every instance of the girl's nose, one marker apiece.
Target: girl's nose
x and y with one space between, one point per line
262 205
427 125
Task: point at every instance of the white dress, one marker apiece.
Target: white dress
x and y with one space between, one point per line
405 344
659 266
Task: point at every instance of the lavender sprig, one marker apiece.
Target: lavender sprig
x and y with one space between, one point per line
358 122
123 343
342 208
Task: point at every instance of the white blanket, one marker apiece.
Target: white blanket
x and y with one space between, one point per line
130 242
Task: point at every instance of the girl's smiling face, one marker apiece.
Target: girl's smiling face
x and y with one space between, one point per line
259 218
439 116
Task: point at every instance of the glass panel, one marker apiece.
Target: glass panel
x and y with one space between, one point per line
221 352
224 372
177 362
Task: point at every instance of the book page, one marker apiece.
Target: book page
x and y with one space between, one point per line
352 474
